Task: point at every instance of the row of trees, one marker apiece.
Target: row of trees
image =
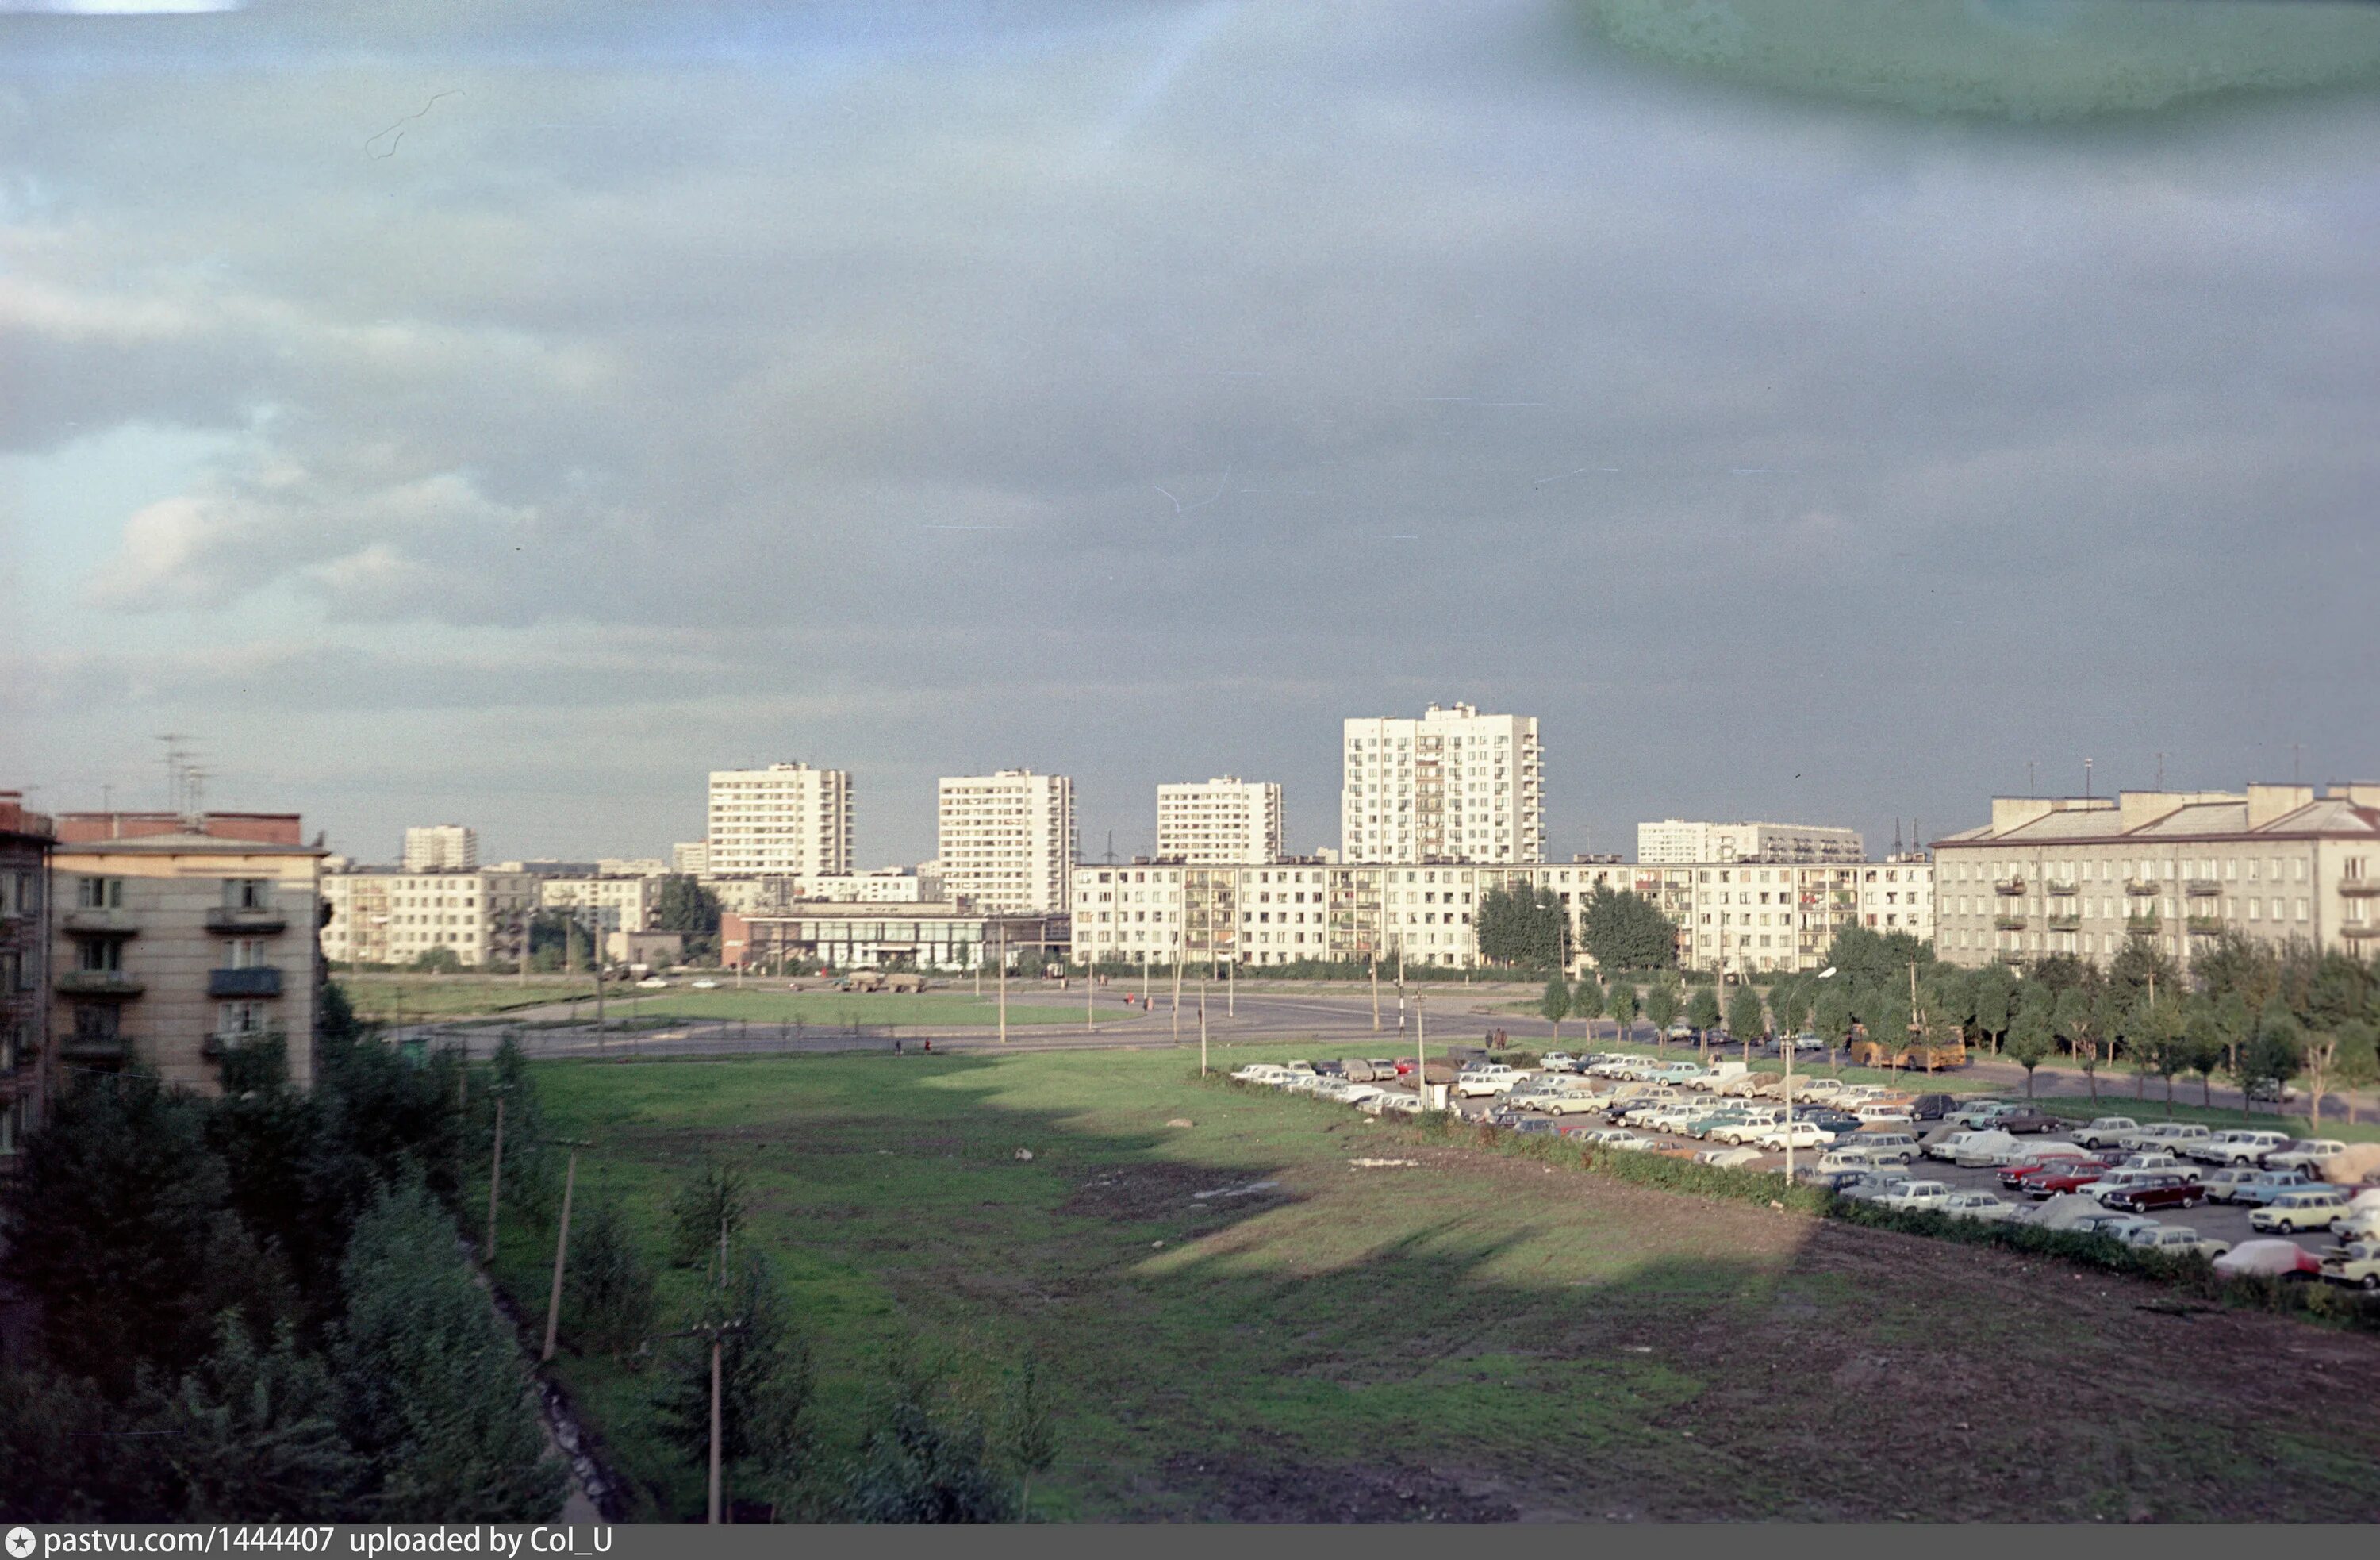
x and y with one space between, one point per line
1527 927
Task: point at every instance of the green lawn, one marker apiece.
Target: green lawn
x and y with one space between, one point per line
444 996
953 1010
1472 1335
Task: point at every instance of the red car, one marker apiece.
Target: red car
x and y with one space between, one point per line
2161 1192
2015 1176
2070 1176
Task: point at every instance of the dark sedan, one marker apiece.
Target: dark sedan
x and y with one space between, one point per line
2026 1120
2161 1192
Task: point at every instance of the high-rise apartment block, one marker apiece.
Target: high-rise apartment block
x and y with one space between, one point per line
1676 839
442 848
785 821
1455 786
1223 819
1005 840
2082 875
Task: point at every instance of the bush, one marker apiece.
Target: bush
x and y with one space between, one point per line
607 1291
706 1215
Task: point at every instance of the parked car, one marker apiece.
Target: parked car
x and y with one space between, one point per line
2115 1224
2028 1119
651 983
1841 1123
1882 1113
2357 1263
2357 1224
2238 1146
2269 1259
2064 1179
1494 1078
2161 1191
2294 1211
2177 1239
2103 1131
705 984
1981 1113
1884 1148
2265 1092
1916 1197
1945 1147
2015 1176
1801 1135
1978 1205
1681 1030
2305 1153
2170 1136
1723 1158
2118 1179
1558 1061
2219 1182
2255 1191
1533 1126
1874 1184
1933 1107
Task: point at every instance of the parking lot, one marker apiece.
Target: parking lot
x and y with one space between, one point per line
1486 1092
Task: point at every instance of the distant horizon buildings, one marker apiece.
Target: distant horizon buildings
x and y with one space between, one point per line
1006 840
1453 786
1223 819
789 820
1681 840
441 848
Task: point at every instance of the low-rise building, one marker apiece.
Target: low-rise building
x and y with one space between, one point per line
2081 875
26 838
616 904
385 915
1680 842
926 937
172 946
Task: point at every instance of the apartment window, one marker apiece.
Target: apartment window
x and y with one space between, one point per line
248 953
101 955
99 893
247 894
238 1021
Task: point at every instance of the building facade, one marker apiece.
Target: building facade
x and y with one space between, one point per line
1221 822
1005 840
1679 841
381 915
171 948
690 858
1731 916
25 1073
787 819
612 904
929 937
1455 786
2081 875
441 848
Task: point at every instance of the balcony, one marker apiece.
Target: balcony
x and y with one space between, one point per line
2010 956
2202 888
88 1048
243 982
99 982
2148 922
101 923
2204 926
237 919
2008 885
2356 931
2139 887
2064 890
2359 888
2066 923
2009 923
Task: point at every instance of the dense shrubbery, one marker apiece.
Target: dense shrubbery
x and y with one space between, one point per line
254 1307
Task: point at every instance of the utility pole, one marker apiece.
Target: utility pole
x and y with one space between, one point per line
1202 1028
560 1255
495 1172
1421 1052
715 1429
999 979
1090 985
1178 953
1376 991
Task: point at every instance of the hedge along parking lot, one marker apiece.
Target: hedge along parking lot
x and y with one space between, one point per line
1246 1323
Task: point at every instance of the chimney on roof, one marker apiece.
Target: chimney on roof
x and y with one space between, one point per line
2266 803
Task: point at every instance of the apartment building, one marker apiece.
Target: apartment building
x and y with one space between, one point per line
384 915
612 904
1455 786
1731 916
1220 821
925 937
26 838
787 819
1679 841
173 944
441 848
690 858
1005 840
2081 875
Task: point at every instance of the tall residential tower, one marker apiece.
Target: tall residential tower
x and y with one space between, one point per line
1455 786
1006 839
788 820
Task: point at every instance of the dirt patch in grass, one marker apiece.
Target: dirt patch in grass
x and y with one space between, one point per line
1258 1486
1161 1188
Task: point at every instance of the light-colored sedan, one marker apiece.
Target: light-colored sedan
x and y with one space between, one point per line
2103 1131
2296 1211
2357 1263
1800 1135
1916 1197
1978 1205
2177 1239
2306 1155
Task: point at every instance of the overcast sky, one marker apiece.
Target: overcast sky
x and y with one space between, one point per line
507 421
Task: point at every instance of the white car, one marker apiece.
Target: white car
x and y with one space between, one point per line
1875 1113
1359 1094
2103 1132
2357 1224
1978 1205
2116 1180
705 984
1916 1197
1620 1138
2306 1155
1558 1061
2150 1160
1884 1148
1801 1135
2171 1136
1726 1157
1493 1079
1386 1104
1947 1146
2177 1239
2238 1146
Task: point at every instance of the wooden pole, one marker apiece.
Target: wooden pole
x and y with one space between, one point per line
1202 1029
560 1255
1376 991
496 1176
714 1430
1001 980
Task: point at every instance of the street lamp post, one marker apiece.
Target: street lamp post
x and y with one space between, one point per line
1825 974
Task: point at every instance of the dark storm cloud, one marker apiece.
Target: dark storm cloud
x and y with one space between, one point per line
1223 370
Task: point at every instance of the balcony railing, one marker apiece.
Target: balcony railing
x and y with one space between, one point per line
243 982
99 982
2061 889
2139 887
2204 926
2066 923
2359 929
2360 888
2008 885
2202 888
2148 922
233 918
2009 923
2010 956
96 1048
101 923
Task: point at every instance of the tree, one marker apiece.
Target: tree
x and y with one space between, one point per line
925 1458
707 1215
2138 963
2238 966
2161 1043
252 1435
1745 1020
2077 1023
607 1290
432 1390
2340 1054
1623 930
681 904
1522 926
1028 1438
1662 1002
120 1225
766 1378
1831 1012
1555 1003
1621 1003
2203 1040
1865 956
2029 1038
439 960
1993 992
2270 1057
1701 1009
1587 1003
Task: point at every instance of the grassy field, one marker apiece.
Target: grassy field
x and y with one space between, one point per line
952 1009
1467 1335
446 996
